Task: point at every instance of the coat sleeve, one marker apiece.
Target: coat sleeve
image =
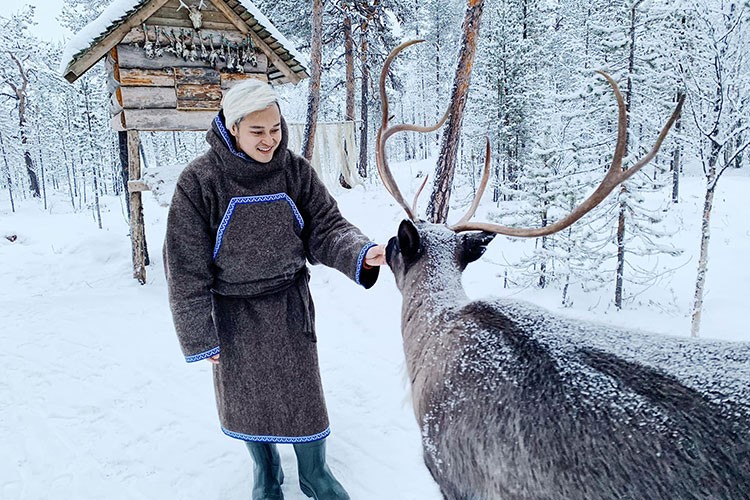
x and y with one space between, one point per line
329 238
188 262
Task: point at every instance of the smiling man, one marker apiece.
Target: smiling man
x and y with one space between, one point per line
245 218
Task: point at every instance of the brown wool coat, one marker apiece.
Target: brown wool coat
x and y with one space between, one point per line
238 236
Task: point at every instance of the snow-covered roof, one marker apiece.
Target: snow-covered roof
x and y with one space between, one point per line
107 30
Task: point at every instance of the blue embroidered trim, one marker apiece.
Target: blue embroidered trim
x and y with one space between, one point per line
203 355
246 200
277 439
361 260
227 139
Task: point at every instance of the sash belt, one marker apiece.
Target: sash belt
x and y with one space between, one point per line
302 302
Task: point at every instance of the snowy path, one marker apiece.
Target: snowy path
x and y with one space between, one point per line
97 401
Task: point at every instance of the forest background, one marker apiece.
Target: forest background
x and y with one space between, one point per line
534 93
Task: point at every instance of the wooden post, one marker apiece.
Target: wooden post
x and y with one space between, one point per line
137 229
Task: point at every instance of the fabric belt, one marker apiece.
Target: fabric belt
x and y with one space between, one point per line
302 304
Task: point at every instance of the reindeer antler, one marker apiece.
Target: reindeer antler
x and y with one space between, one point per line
384 132
615 175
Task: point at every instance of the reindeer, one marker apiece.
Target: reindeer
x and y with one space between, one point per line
515 402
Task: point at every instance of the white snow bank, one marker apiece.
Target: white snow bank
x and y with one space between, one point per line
97 401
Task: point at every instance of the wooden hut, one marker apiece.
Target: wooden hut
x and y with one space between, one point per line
168 64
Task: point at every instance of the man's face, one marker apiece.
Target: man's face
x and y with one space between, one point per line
258 134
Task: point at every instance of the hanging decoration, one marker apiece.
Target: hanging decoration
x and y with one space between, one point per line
194 13
191 45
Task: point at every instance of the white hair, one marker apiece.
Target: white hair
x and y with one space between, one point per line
246 97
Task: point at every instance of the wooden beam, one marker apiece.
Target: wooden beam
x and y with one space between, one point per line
135 36
169 13
175 4
148 97
133 57
137 226
199 97
197 105
196 76
137 186
228 80
185 23
114 105
203 93
138 77
117 122
163 120
100 49
273 57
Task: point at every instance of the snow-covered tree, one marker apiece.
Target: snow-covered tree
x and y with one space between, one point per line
18 59
716 73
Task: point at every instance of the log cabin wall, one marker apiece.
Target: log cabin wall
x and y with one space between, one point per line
172 76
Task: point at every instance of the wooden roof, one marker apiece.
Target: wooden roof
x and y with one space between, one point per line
285 63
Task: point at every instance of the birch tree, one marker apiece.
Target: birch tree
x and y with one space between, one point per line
716 73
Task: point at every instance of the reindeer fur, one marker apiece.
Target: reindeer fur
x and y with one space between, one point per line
516 403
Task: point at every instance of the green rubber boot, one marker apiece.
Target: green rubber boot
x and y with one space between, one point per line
315 478
267 474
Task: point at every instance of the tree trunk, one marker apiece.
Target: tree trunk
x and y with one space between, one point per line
69 162
20 95
137 232
313 96
738 146
122 139
94 170
67 173
437 208
44 182
349 58
33 179
676 154
364 98
700 281
545 223
7 173
620 275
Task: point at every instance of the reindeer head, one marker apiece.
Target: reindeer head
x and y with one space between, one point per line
435 244
442 247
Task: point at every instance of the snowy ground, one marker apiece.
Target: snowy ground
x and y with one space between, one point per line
97 401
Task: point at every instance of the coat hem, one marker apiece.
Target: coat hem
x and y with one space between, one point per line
277 439
203 355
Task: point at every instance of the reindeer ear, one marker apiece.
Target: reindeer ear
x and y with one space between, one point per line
408 239
474 245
